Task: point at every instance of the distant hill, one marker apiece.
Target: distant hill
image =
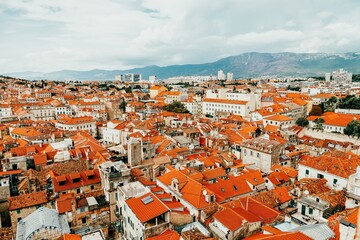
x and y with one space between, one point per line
245 65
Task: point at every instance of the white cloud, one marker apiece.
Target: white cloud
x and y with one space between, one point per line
42 35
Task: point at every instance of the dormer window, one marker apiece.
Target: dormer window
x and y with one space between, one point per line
76 177
61 180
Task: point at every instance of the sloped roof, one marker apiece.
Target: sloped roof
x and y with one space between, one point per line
145 212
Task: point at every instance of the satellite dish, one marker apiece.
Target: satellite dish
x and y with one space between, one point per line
204 192
306 192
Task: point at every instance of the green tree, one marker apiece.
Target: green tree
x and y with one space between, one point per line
302 122
353 128
122 105
128 89
177 107
316 111
319 124
331 104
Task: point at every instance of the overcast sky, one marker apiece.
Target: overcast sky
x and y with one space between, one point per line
49 35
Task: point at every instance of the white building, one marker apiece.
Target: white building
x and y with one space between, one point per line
353 190
76 124
283 122
335 167
193 105
260 153
5 111
143 214
63 110
229 76
214 107
341 77
221 75
42 112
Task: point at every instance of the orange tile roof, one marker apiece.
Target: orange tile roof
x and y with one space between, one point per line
6 173
40 159
64 203
166 235
191 190
146 212
70 237
27 200
230 219
271 128
226 189
339 163
279 118
257 208
29 132
214 173
76 120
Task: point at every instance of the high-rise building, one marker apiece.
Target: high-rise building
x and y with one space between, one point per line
327 77
129 77
230 76
221 75
341 76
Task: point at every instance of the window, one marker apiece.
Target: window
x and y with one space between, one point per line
251 153
320 176
257 155
307 172
335 181
83 220
310 211
18 211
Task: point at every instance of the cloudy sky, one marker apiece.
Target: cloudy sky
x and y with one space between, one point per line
50 35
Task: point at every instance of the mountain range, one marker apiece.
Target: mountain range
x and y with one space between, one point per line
246 65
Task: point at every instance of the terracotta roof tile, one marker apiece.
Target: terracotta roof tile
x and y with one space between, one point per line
27 200
145 212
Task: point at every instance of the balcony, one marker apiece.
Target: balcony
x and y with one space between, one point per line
303 219
154 230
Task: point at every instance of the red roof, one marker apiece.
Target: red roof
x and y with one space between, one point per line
69 184
27 200
64 203
145 212
230 219
166 235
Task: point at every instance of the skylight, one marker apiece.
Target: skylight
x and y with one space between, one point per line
147 200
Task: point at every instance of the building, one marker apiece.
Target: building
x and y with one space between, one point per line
113 174
334 166
23 205
215 107
143 214
353 190
280 121
221 75
77 124
190 193
156 89
261 153
44 223
229 76
76 182
341 77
